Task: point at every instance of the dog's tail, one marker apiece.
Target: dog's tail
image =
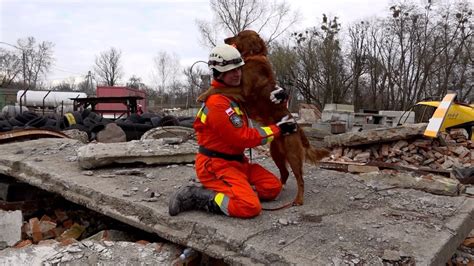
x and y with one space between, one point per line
312 155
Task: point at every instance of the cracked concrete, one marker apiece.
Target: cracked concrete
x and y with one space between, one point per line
343 219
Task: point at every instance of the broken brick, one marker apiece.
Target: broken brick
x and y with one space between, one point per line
35 229
46 226
68 223
468 242
337 152
143 242
23 243
362 157
49 234
400 144
47 242
375 153
385 150
46 218
75 232
423 143
67 241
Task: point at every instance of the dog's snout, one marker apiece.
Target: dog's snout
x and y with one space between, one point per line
229 40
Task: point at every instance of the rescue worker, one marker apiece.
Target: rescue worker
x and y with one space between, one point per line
139 109
223 134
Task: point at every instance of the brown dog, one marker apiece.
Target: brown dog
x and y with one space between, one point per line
258 81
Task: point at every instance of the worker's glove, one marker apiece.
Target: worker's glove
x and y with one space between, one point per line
287 125
278 95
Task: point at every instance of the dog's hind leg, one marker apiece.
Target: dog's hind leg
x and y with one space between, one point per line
278 156
295 157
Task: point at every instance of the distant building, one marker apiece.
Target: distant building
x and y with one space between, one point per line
7 96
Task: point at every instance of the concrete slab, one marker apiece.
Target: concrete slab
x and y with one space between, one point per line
91 252
10 227
343 219
150 151
377 135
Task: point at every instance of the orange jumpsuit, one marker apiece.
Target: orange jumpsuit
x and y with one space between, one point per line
221 126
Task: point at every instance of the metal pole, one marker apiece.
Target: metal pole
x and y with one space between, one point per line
45 98
24 67
21 105
192 80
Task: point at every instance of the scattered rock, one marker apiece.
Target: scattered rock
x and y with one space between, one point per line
136 172
107 176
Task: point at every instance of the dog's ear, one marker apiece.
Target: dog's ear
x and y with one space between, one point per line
229 40
262 47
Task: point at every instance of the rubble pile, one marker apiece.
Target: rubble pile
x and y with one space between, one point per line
464 255
450 149
58 227
80 237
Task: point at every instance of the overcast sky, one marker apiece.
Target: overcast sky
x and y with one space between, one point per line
82 29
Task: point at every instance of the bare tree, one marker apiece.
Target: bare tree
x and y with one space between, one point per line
135 82
10 67
166 69
357 56
197 81
271 18
107 66
38 59
320 74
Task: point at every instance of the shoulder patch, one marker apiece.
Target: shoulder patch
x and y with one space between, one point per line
236 120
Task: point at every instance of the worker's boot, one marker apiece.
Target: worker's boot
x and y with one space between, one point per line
464 175
193 198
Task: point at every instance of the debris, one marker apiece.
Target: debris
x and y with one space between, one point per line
112 133
379 135
361 168
429 183
77 135
146 151
74 232
470 190
468 242
107 176
408 152
136 172
283 221
24 243
35 230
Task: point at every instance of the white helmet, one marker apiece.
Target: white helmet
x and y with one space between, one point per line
225 57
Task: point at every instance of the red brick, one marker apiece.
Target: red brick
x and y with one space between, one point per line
46 218
23 243
142 242
46 226
68 223
35 230
68 241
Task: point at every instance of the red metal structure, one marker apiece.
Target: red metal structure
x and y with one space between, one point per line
118 108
